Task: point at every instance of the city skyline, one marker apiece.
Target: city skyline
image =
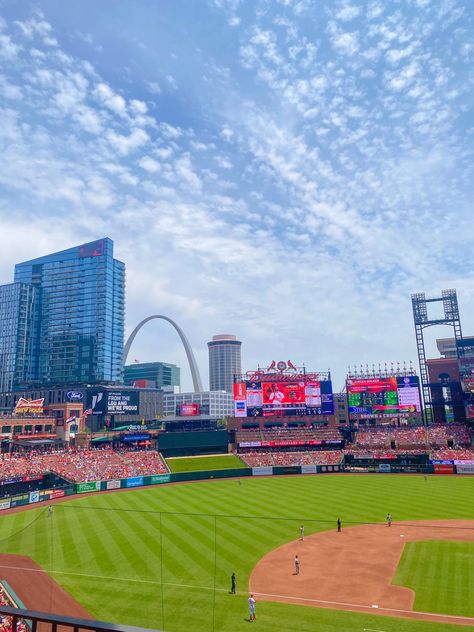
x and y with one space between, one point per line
288 172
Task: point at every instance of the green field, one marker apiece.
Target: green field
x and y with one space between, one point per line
442 575
202 463
162 557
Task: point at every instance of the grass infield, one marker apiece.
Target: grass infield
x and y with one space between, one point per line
442 575
202 463
162 557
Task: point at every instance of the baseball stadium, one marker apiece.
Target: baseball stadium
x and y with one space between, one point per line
304 510
368 527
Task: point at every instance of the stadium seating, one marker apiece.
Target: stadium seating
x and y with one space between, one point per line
6 623
323 457
449 454
85 465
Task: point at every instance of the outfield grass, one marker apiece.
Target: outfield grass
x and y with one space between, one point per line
162 557
202 463
442 575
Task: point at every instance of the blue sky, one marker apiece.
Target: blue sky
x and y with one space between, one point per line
287 171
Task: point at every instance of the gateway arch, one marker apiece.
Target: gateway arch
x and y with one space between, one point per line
187 347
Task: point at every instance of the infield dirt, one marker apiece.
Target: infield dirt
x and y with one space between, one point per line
353 569
37 590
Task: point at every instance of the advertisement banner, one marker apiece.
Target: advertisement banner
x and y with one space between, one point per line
34 497
114 402
29 405
443 468
384 467
83 488
240 408
465 468
113 485
135 481
123 403
136 437
240 391
5 504
262 471
308 469
159 478
56 493
188 410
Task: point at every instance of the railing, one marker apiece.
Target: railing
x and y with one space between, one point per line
54 620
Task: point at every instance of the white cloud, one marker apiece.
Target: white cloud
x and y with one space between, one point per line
348 12
8 50
346 43
138 106
110 99
9 90
126 144
149 164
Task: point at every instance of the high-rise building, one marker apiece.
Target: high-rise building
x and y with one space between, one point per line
224 362
153 374
17 320
66 318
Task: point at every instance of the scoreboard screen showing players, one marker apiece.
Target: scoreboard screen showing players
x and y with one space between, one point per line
390 395
253 399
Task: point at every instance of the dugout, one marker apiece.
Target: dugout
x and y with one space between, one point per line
193 443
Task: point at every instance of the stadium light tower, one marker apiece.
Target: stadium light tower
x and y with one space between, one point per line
421 319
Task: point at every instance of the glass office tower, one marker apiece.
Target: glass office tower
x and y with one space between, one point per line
78 331
18 318
157 374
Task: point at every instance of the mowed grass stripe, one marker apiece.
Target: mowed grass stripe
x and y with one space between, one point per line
121 535
241 542
440 572
191 544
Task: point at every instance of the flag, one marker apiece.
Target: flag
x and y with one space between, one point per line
87 412
71 419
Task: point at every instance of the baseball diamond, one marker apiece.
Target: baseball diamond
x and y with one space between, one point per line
162 557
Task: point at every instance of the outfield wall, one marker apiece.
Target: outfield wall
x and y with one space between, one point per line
38 496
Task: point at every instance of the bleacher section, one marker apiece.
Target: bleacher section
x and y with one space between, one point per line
277 458
85 465
416 437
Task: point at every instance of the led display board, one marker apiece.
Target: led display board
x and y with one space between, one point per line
387 395
277 398
188 410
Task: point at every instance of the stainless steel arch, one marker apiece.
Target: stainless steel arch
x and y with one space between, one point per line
187 347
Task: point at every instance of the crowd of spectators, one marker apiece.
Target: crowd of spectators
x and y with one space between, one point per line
6 623
257 459
289 434
457 433
277 458
80 466
434 436
453 454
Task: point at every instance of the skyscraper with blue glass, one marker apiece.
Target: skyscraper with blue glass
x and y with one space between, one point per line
72 321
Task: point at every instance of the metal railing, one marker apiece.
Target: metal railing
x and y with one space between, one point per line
55 620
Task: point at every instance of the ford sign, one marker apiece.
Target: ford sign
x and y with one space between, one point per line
75 396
